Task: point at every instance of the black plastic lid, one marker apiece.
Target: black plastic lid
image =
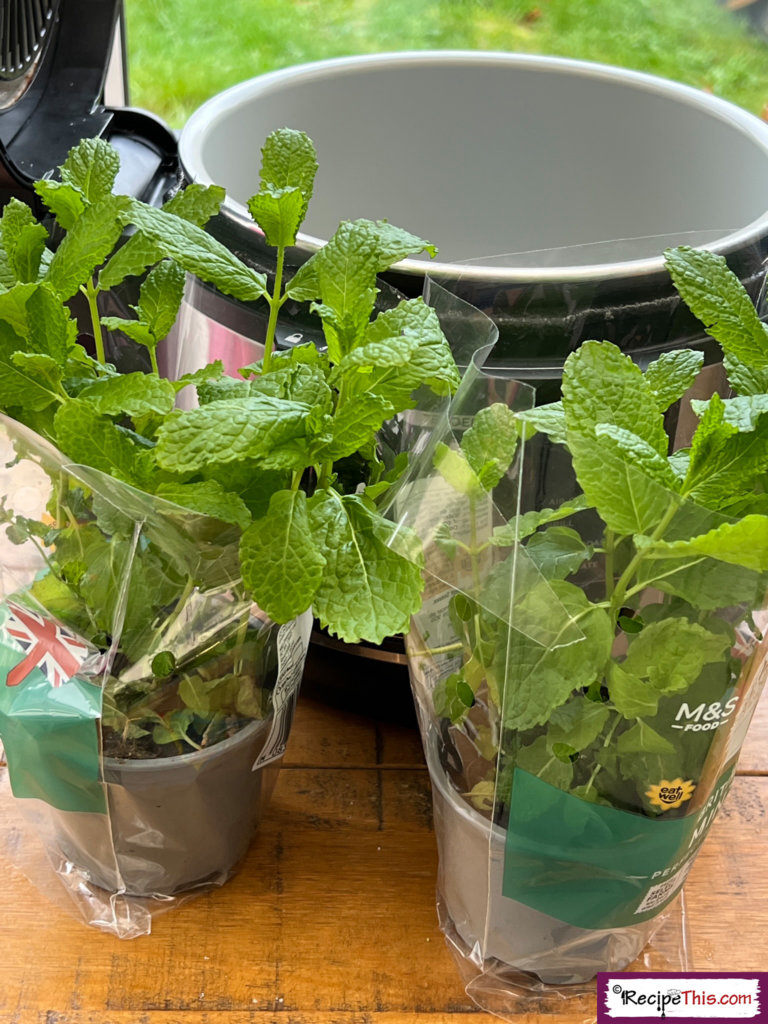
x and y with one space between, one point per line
54 57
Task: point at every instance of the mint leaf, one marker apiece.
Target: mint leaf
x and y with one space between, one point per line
20 382
130 394
631 697
429 359
670 376
160 298
209 498
13 309
577 723
93 440
209 372
744 379
196 203
453 697
522 526
368 590
197 252
547 419
7 276
545 676
216 390
87 245
228 431
671 654
279 213
743 543
603 389
602 385
627 498
703 583
250 482
282 566
23 240
65 202
130 260
454 468
41 367
539 760
633 450
742 413
715 295
352 427
135 329
642 739
288 161
299 382
91 166
724 460
51 328
557 552
343 276
490 444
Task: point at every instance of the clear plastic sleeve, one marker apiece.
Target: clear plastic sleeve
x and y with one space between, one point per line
145 701
564 836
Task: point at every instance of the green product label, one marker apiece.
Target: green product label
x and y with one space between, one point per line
594 866
49 716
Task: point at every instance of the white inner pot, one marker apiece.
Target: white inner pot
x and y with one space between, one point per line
501 157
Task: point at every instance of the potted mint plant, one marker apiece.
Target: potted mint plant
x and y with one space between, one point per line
179 552
586 669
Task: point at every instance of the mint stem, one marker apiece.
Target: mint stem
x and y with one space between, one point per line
598 767
91 293
446 649
620 593
274 306
153 359
610 551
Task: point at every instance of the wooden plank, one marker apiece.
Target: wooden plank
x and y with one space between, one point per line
324 737
274 1015
754 753
330 918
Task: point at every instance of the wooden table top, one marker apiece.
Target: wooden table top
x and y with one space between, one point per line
332 918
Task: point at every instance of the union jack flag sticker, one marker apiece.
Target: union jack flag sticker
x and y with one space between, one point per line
47 646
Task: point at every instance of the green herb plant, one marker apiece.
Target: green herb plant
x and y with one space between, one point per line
600 643
283 457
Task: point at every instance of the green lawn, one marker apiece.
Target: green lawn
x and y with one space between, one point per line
183 51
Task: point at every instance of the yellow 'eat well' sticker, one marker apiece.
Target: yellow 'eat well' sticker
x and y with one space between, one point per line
669 795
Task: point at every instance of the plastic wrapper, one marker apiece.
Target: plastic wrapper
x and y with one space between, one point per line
565 826
145 701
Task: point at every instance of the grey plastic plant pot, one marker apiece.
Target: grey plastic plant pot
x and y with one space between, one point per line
551 186
492 927
175 823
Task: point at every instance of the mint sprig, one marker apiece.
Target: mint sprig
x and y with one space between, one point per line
280 456
605 614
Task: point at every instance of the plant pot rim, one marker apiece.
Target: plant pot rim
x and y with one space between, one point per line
147 764
439 778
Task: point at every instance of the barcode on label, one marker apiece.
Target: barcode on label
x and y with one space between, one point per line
659 894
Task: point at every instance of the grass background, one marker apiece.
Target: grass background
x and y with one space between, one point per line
183 51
